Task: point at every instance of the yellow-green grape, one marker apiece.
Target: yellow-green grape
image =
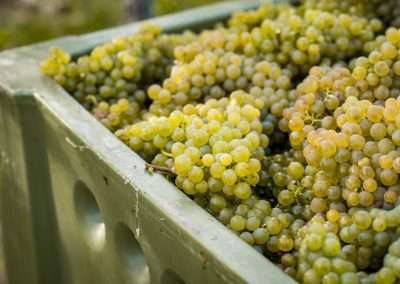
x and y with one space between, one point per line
237 223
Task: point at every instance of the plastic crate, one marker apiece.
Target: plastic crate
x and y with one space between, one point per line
77 205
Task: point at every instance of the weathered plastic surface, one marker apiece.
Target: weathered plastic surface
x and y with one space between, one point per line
77 205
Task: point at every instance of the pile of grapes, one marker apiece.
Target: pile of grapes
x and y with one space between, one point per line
283 123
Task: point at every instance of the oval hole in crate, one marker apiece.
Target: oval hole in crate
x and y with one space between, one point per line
131 256
89 216
171 277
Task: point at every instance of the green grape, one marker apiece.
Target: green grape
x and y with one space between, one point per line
349 278
362 219
238 223
242 190
261 236
331 247
229 177
385 275
196 174
183 164
253 223
247 237
274 226
217 203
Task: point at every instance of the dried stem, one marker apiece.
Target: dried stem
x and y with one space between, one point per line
159 169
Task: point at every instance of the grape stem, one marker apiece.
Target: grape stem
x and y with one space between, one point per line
150 167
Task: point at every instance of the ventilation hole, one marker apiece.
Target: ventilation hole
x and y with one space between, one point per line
89 217
133 261
171 277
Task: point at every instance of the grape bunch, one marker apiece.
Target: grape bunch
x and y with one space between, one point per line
388 11
360 247
213 147
117 71
283 123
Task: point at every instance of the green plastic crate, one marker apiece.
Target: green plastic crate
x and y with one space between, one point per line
77 205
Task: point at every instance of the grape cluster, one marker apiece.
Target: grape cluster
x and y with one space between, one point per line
345 248
213 147
344 122
214 74
121 113
119 70
283 123
388 11
279 40
295 39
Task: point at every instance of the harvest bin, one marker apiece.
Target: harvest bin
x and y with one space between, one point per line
77 205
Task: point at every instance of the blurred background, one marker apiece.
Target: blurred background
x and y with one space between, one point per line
27 21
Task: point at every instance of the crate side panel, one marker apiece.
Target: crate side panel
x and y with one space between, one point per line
17 227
